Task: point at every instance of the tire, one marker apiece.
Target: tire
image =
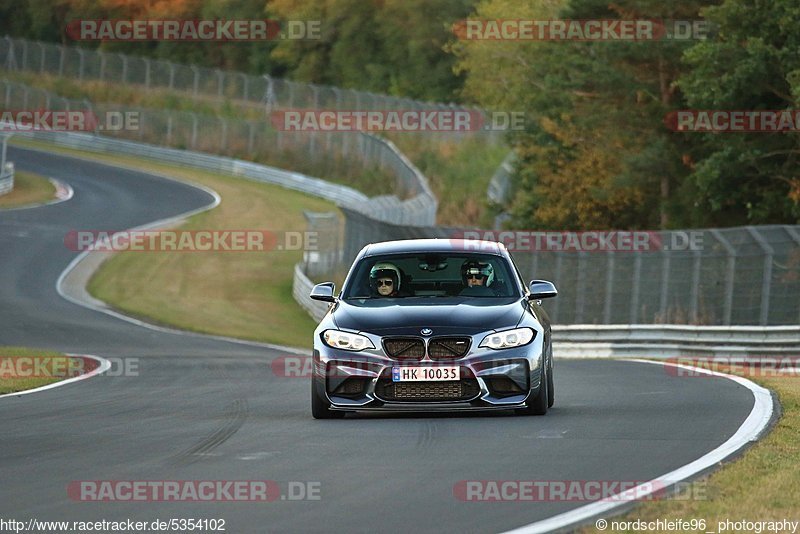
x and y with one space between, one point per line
538 405
551 388
320 407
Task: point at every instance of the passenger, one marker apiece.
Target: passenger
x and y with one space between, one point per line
384 280
475 273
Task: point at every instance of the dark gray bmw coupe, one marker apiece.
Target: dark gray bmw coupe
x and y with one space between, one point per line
433 324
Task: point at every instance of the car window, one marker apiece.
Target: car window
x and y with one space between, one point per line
432 275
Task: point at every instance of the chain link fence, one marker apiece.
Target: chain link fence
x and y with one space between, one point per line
731 276
411 201
257 91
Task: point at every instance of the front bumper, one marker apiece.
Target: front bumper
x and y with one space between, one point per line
490 379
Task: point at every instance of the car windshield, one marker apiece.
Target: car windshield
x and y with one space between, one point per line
432 275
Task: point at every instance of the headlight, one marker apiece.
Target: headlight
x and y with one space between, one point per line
508 338
346 340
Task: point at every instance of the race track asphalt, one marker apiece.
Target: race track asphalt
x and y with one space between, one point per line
207 409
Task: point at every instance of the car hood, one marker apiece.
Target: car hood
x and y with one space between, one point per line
442 315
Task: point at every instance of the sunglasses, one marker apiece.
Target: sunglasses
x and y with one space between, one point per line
385 283
474 276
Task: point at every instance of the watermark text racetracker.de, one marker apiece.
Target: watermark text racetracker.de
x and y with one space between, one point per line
190 240
581 30
193 30
122 525
26 120
749 366
576 490
193 490
588 241
32 366
409 120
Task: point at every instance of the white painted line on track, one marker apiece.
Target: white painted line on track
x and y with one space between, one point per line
162 222
104 366
750 430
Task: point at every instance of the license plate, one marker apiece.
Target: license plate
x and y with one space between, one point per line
425 374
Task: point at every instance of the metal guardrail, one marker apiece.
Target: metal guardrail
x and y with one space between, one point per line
388 209
6 168
673 341
301 289
6 178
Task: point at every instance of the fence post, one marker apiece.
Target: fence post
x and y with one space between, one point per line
580 288
42 58
124 67
607 303
81 61
146 73
62 60
220 83
635 283
767 278
731 272
194 130
24 55
796 237
196 81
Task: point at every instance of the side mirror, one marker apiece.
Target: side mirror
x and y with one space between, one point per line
542 289
323 292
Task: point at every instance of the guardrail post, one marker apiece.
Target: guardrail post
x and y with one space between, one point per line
767 278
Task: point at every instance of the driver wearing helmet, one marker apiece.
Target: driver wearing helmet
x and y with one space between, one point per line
477 277
475 273
385 279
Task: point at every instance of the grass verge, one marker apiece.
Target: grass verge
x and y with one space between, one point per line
23 368
761 485
240 294
29 189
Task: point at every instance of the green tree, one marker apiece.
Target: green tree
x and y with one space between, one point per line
747 178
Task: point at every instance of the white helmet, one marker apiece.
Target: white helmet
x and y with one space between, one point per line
382 270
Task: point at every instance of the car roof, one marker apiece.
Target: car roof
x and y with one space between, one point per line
434 245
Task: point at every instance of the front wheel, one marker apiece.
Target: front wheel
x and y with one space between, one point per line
551 388
320 407
538 405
